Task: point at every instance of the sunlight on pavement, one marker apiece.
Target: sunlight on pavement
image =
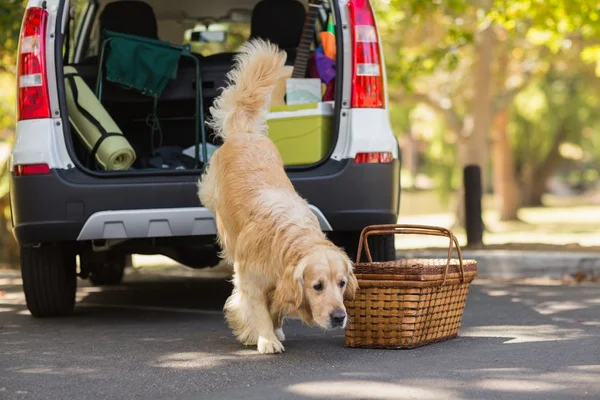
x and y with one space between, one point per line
553 307
202 360
514 385
524 333
549 225
10 281
149 261
161 265
54 370
368 389
548 382
192 360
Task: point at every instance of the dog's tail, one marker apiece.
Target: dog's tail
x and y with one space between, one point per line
243 105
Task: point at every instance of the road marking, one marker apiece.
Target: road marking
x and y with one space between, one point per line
152 308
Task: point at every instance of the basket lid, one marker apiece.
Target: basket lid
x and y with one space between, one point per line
414 269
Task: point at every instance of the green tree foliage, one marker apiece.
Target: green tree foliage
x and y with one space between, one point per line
11 14
544 51
559 111
422 36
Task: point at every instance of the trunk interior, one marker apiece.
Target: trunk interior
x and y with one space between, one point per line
163 131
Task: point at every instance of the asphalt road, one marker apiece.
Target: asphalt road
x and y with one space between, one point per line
163 336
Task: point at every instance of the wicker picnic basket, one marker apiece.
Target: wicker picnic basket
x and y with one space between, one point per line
407 303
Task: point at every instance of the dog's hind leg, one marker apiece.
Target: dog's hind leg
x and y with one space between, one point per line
237 318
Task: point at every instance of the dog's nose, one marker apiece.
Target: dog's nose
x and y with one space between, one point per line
337 318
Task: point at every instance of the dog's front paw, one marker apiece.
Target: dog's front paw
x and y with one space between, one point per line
280 335
267 346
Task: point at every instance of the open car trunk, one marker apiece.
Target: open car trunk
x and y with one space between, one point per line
122 125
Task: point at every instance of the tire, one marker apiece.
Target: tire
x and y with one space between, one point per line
105 272
49 280
382 247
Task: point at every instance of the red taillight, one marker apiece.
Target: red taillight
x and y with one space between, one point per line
31 169
32 93
374 158
367 76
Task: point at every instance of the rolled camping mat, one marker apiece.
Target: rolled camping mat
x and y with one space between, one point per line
95 127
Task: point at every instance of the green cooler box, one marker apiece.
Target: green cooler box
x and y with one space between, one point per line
303 132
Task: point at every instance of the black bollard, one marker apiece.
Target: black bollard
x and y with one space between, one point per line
473 212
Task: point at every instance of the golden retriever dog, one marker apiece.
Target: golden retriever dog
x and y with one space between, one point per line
283 263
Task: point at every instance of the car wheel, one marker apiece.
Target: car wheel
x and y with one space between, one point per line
382 247
49 280
106 271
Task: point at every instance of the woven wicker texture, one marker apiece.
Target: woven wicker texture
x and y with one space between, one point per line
411 302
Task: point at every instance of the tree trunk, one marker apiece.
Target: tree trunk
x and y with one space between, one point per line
505 185
410 156
9 250
536 177
531 189
477 143
473 149
459 210
413 167
533 196
503 166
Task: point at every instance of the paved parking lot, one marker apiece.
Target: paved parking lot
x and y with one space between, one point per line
161 335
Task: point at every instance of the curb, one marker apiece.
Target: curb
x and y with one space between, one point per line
520 264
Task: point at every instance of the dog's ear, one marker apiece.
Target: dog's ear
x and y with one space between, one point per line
289 293
352 284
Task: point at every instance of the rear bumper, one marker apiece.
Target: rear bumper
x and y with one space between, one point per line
68 205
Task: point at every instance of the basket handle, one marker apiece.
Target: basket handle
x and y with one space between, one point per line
374 230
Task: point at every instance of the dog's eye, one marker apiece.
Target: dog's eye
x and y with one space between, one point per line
318 286
342 284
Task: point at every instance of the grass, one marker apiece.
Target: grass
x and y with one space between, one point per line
565 223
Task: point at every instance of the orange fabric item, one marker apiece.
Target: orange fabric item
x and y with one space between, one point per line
328 40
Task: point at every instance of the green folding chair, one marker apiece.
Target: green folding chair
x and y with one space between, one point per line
147 65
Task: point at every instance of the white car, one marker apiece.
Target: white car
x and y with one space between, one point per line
67 200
